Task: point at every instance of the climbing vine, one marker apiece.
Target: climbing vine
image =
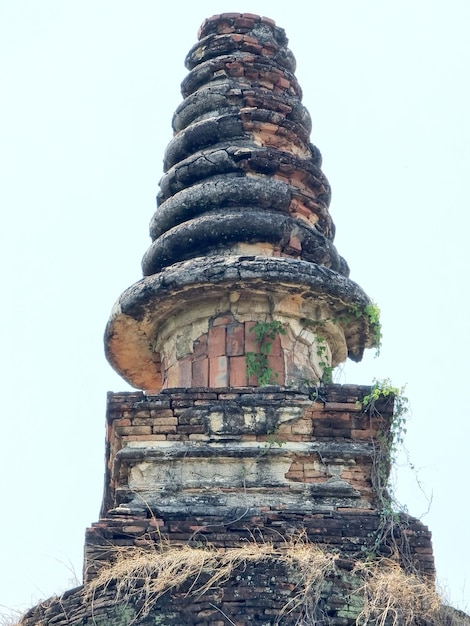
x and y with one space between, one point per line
390 438
372 312
394 438
323 362
257 363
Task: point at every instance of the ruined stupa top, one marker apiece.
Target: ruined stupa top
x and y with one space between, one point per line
242 233
240 173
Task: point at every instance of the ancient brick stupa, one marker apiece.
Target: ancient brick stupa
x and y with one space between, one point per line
242 486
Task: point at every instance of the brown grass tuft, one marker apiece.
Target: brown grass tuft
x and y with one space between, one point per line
313 565
392 596
149 573
389 595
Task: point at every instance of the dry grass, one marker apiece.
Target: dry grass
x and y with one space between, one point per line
313 565
147 574
389 595
392 596
10 617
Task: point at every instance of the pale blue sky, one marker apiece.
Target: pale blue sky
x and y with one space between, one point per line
88 92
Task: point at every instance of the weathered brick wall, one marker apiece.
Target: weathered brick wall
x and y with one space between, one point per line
264 422
323 443
262 593
217 358
353 534
255 594
258 593
295 463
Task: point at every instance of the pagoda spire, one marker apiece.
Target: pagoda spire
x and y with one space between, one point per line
242 234
240 487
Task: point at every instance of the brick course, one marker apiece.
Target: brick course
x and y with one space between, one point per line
331 417
208 366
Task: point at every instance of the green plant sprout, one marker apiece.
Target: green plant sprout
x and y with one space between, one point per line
322 353
390 439
257 363
384 390
372 312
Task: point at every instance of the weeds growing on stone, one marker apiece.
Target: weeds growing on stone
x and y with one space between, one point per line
393 597
147 574
385 594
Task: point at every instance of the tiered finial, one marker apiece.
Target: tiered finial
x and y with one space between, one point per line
242 234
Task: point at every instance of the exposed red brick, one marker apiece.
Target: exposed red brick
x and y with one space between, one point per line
276 363
313 474
159 413
143 421
223 320
253 381
276 349
163 428
225 28
268 20
218 371
200 347
251 73
316 479
283 82
295 475
228 16
134 430
123 422
192 428
200 369
237 365
254 47
166 421
248 438
198 437
243 22
302 210
360 434
141 413
185 372
235 69
216 341
266 84
235 340
251 345
294 245
343 406
274 76
267 51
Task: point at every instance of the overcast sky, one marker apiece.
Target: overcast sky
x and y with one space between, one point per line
88 91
